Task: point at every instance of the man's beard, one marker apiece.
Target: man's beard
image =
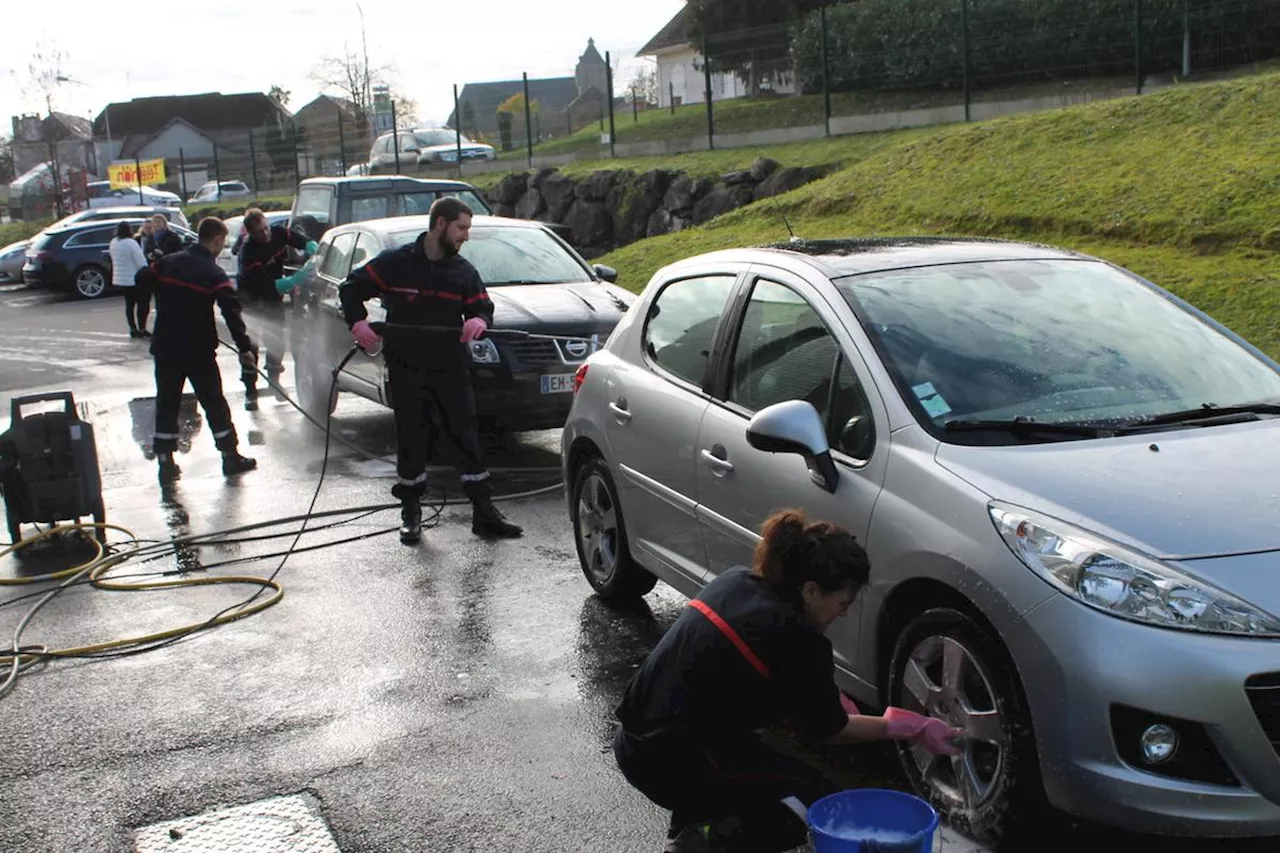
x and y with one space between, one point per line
447 246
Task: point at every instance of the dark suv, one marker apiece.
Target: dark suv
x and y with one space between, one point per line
75 257
322 203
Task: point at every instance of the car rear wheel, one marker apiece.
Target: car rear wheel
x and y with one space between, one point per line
946 665
601 537
90 281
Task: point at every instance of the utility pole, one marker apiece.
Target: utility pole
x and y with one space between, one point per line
368 93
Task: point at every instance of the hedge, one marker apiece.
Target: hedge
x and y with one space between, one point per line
890 44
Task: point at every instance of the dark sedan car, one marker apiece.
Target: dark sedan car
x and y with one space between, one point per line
74 257
538 284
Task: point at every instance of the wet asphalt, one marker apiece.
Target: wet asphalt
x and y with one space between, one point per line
454 696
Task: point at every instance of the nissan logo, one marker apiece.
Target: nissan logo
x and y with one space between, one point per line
577 349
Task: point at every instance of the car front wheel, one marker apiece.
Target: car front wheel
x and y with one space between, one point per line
90 281
317 392
948 666
601 536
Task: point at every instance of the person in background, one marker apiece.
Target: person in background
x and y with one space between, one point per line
750 653
164 240
187 286
126 261
144 238
263 249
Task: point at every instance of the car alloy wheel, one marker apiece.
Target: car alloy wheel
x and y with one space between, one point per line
600 533
947 664
90 282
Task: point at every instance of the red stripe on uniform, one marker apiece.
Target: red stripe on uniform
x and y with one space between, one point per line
226 285
377 279
479 296
705 609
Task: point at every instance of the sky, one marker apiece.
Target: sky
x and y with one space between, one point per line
115 53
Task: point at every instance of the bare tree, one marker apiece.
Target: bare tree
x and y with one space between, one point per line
352 77
43 75
645 85
280 95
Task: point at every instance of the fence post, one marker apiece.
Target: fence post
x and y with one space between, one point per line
182 173
457 130
137 165
395 135
253 162
342 144
293 136
608 78
826 70
217 173
528 120
965 47
706 74
1186 38
635 108
1137 44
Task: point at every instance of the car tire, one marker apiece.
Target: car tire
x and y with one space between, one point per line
89 281
1000 749
316 390
600 536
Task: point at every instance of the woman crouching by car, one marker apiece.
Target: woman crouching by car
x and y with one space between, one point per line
750 653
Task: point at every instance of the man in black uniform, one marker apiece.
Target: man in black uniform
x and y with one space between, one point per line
185 343
263 249
426 283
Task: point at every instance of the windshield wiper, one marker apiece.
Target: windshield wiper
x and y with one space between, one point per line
1024 426
1205 412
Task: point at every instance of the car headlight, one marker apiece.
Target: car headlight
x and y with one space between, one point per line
1123 582
483 351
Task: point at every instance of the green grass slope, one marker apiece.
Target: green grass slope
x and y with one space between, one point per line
1182 186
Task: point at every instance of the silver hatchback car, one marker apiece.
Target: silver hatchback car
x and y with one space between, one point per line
1065 478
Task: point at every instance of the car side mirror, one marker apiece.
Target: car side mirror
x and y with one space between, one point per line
794 426
609 274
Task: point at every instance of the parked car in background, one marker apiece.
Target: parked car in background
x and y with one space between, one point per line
1060 472
425 146
323 203
538 284
12 257
102 194
173 214
75 257
215 191
359 170
229 260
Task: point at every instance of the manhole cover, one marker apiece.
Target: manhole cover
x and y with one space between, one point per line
288 824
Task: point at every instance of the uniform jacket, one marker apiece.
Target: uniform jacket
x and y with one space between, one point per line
187 284
262 263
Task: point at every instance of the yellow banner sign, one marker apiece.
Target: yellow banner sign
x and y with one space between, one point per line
125 175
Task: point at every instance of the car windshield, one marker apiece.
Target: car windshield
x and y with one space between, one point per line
428 138
1051 341
514 256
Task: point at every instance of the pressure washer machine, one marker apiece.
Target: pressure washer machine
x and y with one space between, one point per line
49 467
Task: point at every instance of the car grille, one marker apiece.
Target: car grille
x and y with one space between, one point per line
540 353
1264 695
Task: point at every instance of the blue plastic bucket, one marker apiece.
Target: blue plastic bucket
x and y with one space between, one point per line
869 820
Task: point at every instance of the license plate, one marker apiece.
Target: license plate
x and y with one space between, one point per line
557 383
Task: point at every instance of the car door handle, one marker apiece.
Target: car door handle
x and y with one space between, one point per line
722 465
620 412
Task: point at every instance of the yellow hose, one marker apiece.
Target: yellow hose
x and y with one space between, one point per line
96 570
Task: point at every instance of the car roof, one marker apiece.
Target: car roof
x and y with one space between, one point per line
396 224
91 224
855 256
376 182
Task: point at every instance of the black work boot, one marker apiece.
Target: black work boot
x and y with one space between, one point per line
169 471
411 522
488 522
251 398
233 463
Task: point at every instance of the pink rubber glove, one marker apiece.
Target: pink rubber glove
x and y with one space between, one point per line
366 337
931 733
473 328
849 706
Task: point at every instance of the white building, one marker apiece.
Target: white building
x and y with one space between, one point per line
681 79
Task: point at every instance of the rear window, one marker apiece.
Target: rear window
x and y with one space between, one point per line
419 203
91 237
514 256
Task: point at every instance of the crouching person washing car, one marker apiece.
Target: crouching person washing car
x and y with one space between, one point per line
426 283
750 653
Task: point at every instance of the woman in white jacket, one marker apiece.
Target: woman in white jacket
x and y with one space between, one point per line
126 260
